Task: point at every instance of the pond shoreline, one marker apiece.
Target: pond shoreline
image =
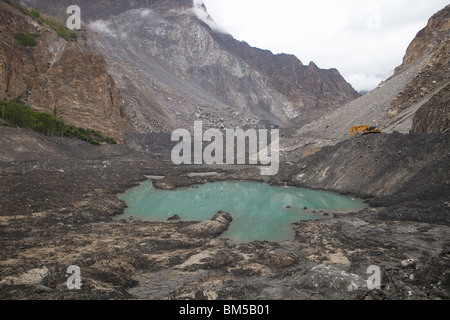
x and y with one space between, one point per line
264 208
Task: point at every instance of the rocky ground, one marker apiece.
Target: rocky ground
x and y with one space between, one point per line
60 208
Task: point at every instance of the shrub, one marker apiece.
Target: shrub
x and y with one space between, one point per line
19 115
35 14
25 39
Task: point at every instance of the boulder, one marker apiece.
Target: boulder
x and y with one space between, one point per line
212 228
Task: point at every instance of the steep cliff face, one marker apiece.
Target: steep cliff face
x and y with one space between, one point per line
172 68
432 44
434 35
306 87
434 116
58 76
16 66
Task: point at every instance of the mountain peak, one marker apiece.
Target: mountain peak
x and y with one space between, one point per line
429 38
312 65
201 11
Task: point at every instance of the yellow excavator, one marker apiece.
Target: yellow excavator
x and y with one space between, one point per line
365 129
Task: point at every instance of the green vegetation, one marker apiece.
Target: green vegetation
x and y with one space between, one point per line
34 13
60 28
19 115
53 22
25 39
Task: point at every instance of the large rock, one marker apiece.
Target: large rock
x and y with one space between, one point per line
332 280
214 227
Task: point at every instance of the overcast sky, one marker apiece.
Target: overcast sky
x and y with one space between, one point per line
364 39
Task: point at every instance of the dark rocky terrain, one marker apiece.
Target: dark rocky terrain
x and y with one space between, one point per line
434 116
60 208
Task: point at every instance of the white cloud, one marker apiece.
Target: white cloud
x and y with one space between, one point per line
102 27
364 39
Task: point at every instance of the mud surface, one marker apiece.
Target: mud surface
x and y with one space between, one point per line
62 211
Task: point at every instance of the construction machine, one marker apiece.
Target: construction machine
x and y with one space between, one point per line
365 129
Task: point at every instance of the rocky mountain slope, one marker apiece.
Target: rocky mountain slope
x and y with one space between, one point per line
434 116
172 68
58 75
309 89
421 80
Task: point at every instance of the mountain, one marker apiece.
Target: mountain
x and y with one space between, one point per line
431 83
307 88
57 75
173 65
414 98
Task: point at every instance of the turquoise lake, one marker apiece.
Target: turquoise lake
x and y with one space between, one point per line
260 212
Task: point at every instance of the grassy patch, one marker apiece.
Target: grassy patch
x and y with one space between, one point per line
15 114
60 28
25 39
53 22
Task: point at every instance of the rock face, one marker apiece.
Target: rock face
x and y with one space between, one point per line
389 167
434 116
16 69
433 36
432 45
168 62
58 76
306 87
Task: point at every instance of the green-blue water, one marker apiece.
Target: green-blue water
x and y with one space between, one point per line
260 211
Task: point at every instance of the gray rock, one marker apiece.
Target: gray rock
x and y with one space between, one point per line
214 227
322 278
175 217
409 263
42 289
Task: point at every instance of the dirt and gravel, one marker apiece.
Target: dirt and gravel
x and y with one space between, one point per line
59 207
